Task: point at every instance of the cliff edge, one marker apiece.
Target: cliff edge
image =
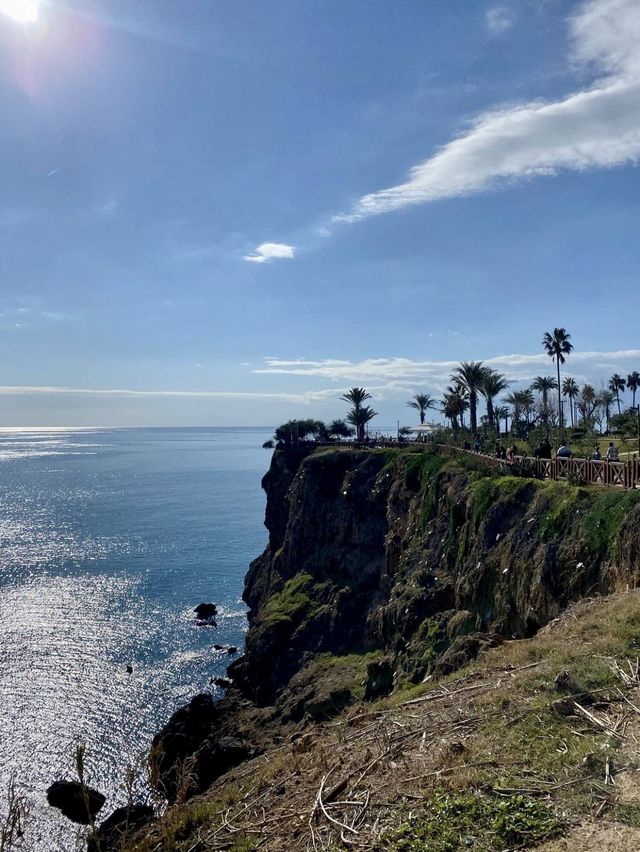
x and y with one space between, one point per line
388 571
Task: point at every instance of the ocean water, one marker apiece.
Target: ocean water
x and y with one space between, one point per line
108 539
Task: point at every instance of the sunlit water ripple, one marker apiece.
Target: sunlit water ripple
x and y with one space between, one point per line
108 538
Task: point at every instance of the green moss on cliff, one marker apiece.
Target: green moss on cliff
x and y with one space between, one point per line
290 605
489 490
602 522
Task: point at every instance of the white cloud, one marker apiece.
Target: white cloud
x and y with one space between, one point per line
598 127
271 251
499 19
303 398
398 373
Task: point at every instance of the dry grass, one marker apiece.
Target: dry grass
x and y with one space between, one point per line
370 779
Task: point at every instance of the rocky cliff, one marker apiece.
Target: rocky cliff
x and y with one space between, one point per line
384 567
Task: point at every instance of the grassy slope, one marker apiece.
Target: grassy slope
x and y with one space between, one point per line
478 760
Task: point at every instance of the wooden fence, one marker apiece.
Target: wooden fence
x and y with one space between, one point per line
612 474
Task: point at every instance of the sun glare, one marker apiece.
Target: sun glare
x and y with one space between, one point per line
23 11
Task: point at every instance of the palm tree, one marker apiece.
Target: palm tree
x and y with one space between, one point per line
453 406
355 396
422 402
633 383
557 345
617 384
544 384
470 374
359 417
513 399
605 400
588 402
493 383
502 413
571 390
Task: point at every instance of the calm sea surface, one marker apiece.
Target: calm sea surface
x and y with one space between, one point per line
108 539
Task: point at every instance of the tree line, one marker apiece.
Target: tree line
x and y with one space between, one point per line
548 401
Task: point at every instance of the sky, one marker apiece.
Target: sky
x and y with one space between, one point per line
227 212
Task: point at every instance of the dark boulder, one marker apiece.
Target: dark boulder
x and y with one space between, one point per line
77 802
379 680
463 650
120 826
190 749
222 682
206 613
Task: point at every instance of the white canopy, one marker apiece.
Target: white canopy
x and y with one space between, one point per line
425 428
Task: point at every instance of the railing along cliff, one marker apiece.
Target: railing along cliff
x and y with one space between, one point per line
613 474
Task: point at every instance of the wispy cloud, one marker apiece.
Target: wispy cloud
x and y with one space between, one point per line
399 372
303 398
271 251
499 19
598 127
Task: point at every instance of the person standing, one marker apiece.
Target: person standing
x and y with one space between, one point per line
612 452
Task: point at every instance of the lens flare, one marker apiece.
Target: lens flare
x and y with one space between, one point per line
22 11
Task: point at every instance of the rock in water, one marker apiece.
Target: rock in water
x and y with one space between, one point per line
77 802
206 613
120 826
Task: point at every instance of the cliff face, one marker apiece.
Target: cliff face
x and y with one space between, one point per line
421 558
385 566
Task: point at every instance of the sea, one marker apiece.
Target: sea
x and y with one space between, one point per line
108 540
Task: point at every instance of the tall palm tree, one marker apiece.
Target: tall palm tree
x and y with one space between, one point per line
557 345
633 383
470 374
571 390
544 384
422 402
617 384
605 400
359 417
493 383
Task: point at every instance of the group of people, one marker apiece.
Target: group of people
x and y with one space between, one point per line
543 451
507 454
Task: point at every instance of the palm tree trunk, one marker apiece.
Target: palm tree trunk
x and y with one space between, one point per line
618 401
473 402
560 414
490 414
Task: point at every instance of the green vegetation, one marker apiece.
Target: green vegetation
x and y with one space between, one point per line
475 821
292 604
602 522
490 490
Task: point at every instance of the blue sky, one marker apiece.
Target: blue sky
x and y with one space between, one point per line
228 212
